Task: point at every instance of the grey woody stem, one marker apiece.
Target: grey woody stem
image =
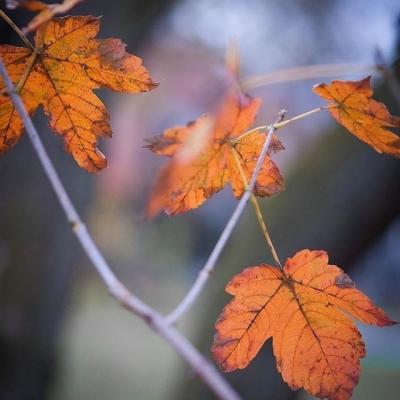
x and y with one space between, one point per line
204 369
209 266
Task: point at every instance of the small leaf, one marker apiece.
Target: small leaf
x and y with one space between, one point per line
364 117
305 308
70 64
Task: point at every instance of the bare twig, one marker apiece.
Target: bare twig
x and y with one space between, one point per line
209 266
389 75
16 29
303 73
281 124
206 371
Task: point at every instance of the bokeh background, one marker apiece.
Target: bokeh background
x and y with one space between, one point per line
63 338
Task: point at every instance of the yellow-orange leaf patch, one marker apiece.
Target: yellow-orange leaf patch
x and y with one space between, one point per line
202 161
364 117
68 64
305 308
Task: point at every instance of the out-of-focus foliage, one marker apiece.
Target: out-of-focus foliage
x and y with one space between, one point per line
364 117
60 74
45 11
203 161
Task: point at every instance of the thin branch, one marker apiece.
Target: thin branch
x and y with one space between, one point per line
16 29
303 115
281 124
303 73
206 371
257 209
209 266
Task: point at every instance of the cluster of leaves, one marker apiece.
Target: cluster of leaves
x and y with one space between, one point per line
304 306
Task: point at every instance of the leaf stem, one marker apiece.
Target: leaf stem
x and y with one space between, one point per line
202 278
303 115
206 371
24 77
257 209
16 29
281 124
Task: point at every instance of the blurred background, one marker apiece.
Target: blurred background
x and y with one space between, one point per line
63 338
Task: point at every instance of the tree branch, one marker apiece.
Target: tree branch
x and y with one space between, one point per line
206 371
281 124
209 266
303 73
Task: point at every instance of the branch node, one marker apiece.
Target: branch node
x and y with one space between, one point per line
74 225
282 114
205 273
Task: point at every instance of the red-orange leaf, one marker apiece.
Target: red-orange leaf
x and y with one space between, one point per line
304 308
69 64
202 162
364 117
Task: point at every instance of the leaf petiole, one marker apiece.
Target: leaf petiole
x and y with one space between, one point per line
303 115
257 210
16 29
281 124
28 69
24 77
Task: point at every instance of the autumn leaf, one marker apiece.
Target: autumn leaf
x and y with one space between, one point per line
305 308
364 117
45 11
68 64
202 161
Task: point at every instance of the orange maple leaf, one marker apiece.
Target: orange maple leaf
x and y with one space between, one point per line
68 63
203 162
305 309
364 117
45 11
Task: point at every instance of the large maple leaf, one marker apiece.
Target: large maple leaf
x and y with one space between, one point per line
203 162
305 308
69 64
364 117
